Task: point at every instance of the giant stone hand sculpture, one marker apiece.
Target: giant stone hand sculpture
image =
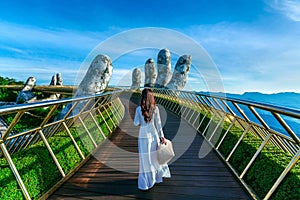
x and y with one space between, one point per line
150 73
180 74
136 78
56 80
164 72
94 82
97 77
26 95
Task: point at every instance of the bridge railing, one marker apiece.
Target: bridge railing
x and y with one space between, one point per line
217 117
29 124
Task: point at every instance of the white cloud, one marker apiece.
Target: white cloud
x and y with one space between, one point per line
11 49
32 51
18 34
43 70
290 8
251 58
247 58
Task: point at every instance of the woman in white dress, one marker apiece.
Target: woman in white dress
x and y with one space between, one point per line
150 134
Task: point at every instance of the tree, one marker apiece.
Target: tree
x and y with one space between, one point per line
6 94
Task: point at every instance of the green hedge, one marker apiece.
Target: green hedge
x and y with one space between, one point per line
37 168
266 168
31 119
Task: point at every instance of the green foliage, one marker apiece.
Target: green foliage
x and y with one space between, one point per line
29 119
9 95
290 188
205 121
245 152
36 166
266 168
230 140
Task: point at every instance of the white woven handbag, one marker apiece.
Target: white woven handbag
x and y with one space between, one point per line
165 152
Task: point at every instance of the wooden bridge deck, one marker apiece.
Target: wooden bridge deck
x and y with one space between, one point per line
112 172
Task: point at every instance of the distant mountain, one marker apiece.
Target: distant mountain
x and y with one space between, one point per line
284 99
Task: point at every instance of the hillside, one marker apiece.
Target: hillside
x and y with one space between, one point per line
285 99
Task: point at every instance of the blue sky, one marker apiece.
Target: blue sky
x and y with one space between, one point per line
255 44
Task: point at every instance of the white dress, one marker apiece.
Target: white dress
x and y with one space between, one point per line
150 171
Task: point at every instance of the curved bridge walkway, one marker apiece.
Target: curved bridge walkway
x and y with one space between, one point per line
112 172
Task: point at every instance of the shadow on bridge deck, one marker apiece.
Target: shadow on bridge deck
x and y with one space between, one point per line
112 172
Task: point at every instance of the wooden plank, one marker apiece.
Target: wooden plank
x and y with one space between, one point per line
192 177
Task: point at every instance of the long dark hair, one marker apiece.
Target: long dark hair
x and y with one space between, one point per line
148 104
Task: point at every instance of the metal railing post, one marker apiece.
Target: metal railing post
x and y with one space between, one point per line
255 155
88 132
216 128
52 154
99 128
102 117
74 141
15 171
225 134
112 121
239 141
11 126
286 127
208 124
202 120
283 174
116 111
